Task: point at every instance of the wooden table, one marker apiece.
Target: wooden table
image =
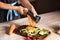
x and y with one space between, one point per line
47 21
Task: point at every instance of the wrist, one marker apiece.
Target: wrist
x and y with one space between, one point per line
16 8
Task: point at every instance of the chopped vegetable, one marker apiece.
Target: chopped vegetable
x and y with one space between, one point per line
28 38
12 28
29 27
34 31
43 32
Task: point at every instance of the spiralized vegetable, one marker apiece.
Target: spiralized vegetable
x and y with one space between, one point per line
34 31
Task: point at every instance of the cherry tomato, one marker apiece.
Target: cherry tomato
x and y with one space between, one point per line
28 38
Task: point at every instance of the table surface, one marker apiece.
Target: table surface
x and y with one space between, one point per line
48 20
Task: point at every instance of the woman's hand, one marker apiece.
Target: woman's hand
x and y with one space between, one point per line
22 10
28 5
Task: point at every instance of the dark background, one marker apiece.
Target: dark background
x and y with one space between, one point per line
44 6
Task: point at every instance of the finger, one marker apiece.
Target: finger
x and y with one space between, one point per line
21 10
25 10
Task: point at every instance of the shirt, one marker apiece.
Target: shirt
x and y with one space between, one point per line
8 1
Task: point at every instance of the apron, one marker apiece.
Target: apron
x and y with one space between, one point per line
1 18
9 15
10 12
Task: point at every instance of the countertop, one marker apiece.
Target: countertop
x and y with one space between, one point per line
48 21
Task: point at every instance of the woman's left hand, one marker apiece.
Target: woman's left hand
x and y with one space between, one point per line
22 10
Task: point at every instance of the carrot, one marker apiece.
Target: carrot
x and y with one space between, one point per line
32 23
12 27
29 27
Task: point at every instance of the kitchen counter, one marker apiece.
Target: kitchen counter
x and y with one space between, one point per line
48 21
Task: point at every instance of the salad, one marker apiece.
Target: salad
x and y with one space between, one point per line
33 31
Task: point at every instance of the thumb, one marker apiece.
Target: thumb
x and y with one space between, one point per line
25 10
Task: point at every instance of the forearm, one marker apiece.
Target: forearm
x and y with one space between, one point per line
28 5
6 6
33 11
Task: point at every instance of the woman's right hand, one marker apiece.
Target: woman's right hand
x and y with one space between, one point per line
22 10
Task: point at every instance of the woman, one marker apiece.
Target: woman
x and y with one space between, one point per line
11 10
